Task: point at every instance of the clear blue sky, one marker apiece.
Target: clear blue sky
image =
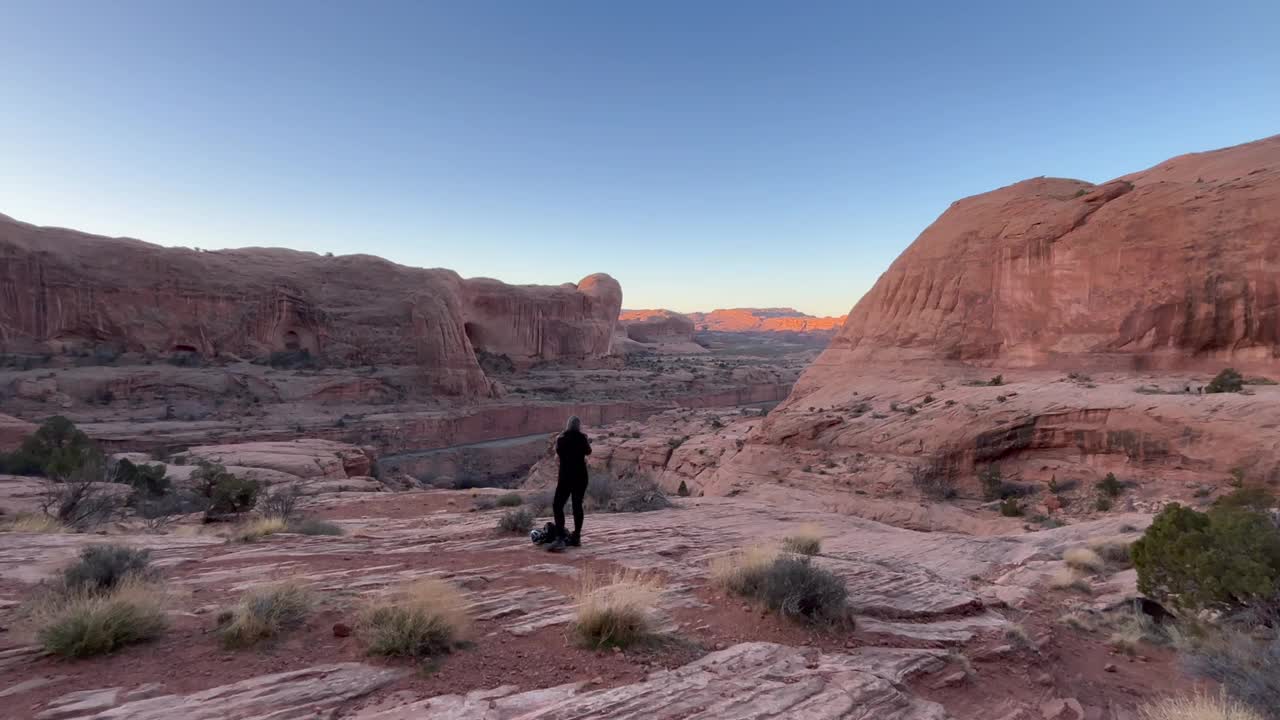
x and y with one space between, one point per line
707 154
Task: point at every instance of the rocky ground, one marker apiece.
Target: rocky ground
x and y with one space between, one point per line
948 625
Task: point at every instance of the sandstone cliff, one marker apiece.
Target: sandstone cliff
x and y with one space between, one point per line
1176 266
63 289
1061 331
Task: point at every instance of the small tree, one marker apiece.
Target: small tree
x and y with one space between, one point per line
1226 558
1227 381
82 499
227 494
56 450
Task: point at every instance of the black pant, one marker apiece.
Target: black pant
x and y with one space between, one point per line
565 490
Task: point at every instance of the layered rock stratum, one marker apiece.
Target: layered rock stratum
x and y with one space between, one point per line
63 289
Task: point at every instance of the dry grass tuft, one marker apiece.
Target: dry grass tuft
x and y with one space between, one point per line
1067 579
266 612
615 611
1018 636
1079 620
737 571
85 622
1131 629
258 529
1198 707
35 523
806 540
1084 559
426 618
1113 551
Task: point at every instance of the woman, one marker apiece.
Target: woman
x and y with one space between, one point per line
572 447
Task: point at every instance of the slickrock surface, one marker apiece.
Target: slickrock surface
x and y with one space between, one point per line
917 597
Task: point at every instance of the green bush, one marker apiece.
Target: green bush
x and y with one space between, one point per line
1226 558
1227 381
147 481
103 567
1110 486
56 449
800 590
519 520
510 500
228 494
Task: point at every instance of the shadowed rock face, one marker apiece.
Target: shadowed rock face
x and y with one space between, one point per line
1175 266
64 289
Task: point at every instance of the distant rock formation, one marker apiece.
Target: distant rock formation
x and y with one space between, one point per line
656 326
765 320
67 290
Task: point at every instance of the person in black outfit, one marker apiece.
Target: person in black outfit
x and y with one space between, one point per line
572 447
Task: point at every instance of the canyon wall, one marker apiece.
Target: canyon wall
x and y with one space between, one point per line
765 320
64 290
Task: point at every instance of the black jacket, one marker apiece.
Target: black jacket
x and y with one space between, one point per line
573 448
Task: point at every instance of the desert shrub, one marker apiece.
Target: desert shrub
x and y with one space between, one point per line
519 520
257 529
1114 551
996 381
1247 498
83 623
1103 503
424 619
280 502
147 480
807 540
790 585
634 493
312 526
486 502
510 500
1227 381
934 480
227 493
103 567
615 611
1084 559
80 500
159 511
34 523
1130 630
57 449
1068 579
1010 507
1228 557
266 612
600 490
1198 707
992 482
1109 486
1260 381
1245 664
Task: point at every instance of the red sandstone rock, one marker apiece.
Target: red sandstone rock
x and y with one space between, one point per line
1175 266
765 320
64 289
656 326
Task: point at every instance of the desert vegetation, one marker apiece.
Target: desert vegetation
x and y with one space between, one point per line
806 540
790 585
265 612
518 520
615 610
425 619
107 599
